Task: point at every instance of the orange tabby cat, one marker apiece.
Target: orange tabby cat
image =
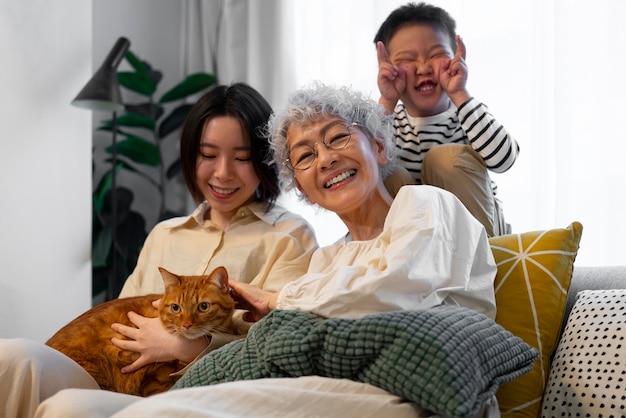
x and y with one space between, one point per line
193 306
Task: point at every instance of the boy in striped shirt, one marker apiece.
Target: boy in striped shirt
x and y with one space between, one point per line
444 136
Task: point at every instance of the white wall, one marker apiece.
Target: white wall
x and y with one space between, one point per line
45 166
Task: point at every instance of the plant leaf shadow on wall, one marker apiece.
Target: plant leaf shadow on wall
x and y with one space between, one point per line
149 130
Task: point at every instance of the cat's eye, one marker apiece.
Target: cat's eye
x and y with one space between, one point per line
203 306
175 308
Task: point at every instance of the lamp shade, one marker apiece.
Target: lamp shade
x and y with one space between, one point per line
102 92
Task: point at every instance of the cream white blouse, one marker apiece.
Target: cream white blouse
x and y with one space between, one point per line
431 251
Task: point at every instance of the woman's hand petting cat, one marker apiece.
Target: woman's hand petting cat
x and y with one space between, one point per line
154 343
257 302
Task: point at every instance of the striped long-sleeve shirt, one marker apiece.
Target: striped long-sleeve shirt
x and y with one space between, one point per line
470 124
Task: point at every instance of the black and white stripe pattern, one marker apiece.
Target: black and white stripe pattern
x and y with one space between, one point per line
470 124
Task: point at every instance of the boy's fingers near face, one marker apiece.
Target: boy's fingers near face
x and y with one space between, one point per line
457 64
460 48
381 52
386 69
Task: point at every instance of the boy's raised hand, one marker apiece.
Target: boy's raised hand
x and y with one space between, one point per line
453 76
391 79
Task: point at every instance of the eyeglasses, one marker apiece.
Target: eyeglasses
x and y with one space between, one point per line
336 137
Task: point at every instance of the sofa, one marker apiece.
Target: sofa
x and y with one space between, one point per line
556 348
530 359
574 316
524 359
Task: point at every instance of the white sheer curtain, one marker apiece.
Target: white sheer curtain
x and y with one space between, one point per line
551 72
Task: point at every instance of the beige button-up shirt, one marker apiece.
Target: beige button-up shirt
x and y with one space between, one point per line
263 249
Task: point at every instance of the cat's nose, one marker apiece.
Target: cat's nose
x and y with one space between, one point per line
187 325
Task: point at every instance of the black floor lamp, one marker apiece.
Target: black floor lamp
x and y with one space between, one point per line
102 92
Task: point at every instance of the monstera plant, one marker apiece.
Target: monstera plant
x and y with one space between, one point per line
144 128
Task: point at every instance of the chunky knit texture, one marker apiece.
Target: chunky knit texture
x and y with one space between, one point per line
447 359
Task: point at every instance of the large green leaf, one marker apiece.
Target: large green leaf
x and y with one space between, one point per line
138 65
174 120
153 110
102 247
190 85
143 69
122 164
134 120
139 150
98 195
105 184
140 83
109 128
125 165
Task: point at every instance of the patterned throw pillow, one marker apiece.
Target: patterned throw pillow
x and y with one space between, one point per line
534 274
588 376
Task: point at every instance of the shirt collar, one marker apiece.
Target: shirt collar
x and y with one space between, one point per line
257 209
420 121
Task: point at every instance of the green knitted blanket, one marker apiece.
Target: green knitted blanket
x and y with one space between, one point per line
447 359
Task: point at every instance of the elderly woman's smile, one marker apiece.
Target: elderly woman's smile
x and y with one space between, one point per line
341 177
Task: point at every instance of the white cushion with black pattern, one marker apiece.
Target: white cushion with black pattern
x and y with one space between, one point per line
588 373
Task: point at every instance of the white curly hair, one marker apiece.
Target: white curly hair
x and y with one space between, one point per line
317 101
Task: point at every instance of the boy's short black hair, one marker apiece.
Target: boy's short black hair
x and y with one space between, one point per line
417 13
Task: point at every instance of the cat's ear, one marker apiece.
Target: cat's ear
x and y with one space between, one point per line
219 276
170 280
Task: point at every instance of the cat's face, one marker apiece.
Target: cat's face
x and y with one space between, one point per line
195 306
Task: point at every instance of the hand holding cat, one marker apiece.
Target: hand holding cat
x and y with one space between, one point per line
154 343
257 302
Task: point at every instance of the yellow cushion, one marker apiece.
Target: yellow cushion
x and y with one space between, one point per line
534 274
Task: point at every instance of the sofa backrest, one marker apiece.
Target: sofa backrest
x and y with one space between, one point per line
594 278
